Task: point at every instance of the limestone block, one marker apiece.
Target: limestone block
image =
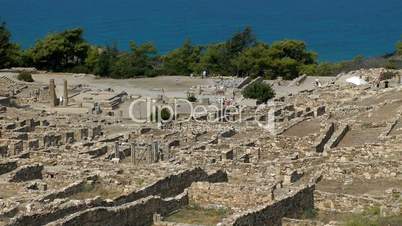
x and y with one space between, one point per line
7 166
3 151
26 173
320 111
33 144
69 137
16 147
292 177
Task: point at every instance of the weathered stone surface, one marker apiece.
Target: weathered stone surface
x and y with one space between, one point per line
291 205
26 173
7 166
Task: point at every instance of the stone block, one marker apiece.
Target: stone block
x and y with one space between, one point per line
19 136
8 166
227 133
3 151
95 131
69 137
27 173
292 177
16 147
33 144
10 126
229 155
320 111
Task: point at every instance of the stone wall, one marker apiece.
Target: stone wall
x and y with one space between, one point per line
254 81
293 123
51 139
137 213
96 152
16 147
338 136
297 81
71 189
26 173
57 212
172 185
291 205
8 166
33 144
3 151
320 111
217 177
95 131
324 138
390 126
227 133
245 82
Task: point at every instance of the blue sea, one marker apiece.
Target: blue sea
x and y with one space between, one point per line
336 30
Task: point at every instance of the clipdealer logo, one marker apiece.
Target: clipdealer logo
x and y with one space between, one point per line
147 110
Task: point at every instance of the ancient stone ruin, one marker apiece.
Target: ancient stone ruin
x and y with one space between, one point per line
80 159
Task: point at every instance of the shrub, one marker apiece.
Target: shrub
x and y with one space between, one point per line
164 113
260 91
25 76
399 48
191 98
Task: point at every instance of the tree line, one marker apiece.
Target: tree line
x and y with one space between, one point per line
241 55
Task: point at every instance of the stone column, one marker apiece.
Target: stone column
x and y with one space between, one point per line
155 151
149 153
273 193
116 150
52 93
133 153
65 94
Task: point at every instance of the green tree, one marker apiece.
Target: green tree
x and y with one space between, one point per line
59 51
218 58
289 57
286 67
92 58
123 67
9 52
253 61
234 47
213 60
141 61
292 49
103 64
182 61
240 41
322 69
260 91
399 48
